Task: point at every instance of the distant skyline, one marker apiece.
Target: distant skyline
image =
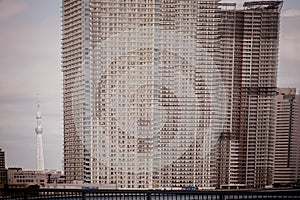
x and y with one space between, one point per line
30 61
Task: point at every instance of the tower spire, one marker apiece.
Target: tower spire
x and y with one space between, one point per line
39 141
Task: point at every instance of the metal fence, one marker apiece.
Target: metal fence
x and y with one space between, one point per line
88 194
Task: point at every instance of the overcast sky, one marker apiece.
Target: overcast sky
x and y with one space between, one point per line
30 46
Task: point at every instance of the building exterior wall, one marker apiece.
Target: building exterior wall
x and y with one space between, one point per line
249 55
3 174
259 82
286 154
231 42
2 159
18 176
74 64
141 89
25 178
296 130
151 86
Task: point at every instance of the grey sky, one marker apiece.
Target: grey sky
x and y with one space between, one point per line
30 62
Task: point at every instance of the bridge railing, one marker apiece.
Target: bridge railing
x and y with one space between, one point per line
92 194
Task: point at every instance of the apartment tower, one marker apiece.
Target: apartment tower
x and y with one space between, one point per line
287 135
3 171
142 92
248 62
169 93
2 159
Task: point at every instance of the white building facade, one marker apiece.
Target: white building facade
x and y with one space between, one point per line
169 93
142 92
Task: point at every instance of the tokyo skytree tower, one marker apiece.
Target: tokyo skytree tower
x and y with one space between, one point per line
39 141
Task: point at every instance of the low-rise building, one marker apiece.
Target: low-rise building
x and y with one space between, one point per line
19 177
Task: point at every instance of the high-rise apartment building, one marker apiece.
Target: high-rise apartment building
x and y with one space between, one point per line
2 159
231 43
169 93
3 171
142 92
287 135
249 59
